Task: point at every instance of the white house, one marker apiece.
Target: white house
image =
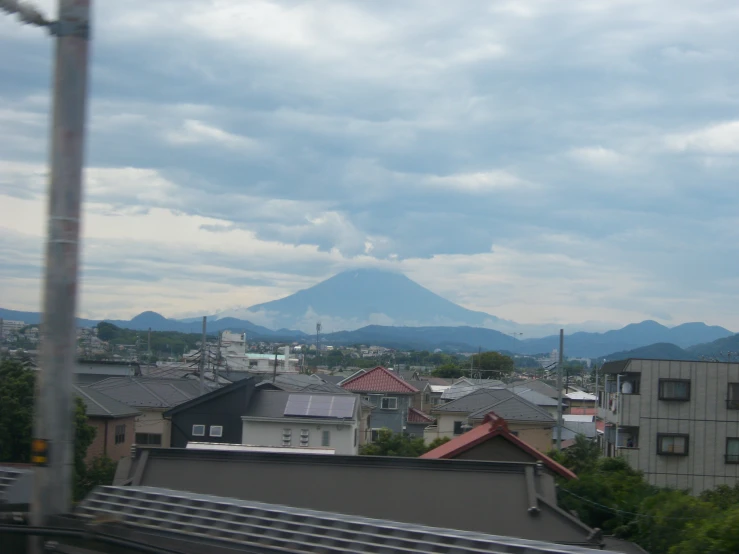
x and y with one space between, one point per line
308 420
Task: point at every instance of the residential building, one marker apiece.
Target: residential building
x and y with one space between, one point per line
537 385
580 399
310 420
533 424
677 421
512 499
466 385
392 401
493 441
151 397
113 421
8 327
545 402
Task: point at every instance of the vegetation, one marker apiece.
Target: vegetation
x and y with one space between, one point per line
163 343
614 497
493 365
398 444
17 384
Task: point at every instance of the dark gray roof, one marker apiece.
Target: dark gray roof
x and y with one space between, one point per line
306 383
533 396
503 402
615 367
334 379
420 385
536 385
271 403
98 404
148 392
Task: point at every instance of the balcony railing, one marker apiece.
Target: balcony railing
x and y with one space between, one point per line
732 458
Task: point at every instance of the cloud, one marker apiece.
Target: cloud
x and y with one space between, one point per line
598 157
197 132
477 182
720 138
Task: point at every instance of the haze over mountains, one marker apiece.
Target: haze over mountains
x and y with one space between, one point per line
388 309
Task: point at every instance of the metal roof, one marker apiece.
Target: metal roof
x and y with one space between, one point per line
221 521
271 404
537 385
147 392
98 404
533 396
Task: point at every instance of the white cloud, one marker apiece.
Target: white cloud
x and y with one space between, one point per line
721 138
597 157
479 182
197 132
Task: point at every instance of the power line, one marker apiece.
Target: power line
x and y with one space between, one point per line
624 512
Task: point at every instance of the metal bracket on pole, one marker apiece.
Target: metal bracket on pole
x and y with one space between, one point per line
70 28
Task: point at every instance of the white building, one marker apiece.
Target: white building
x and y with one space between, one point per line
8 326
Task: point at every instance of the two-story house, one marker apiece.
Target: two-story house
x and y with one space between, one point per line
532 423
677 421
392 399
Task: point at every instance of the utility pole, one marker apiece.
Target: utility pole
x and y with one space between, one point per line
202 360
218 359
559 388
274 371
53 430
148 346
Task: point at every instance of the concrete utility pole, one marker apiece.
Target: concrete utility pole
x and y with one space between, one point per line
148 347
218 359
53 445
559 388
202 360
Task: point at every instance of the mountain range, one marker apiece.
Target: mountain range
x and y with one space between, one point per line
389 309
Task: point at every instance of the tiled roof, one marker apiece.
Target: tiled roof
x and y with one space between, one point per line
417 416
533 396
506 404
378 379
493 426
582 411
536 385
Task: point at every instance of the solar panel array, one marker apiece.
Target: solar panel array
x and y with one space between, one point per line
320 405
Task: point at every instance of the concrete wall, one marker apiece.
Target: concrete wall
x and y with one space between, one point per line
475 496
104 444
704 418
269 433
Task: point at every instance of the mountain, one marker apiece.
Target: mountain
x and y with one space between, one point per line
658 351
361 297
722 349
449 339
157 322
634 335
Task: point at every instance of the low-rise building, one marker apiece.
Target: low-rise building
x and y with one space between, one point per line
677 421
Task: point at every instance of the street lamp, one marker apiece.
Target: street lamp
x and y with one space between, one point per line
53 434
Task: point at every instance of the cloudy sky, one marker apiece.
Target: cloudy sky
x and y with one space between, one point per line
543 161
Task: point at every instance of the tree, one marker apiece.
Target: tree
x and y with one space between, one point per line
717 535
16 411
398 444
448 371
580 457
493 364
99 472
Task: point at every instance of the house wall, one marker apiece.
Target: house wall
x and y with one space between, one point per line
152 421
705 418
394 420
473 496
105 445
496 449
537 435
344 438
224 410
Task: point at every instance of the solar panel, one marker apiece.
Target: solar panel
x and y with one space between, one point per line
320 405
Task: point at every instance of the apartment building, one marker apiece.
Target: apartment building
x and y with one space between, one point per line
677 421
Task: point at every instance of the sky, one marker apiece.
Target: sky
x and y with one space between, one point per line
540 160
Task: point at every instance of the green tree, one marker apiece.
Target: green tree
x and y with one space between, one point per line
493 364
716 535
84 434
398 444
580 457
108 331
16 411
100 471
448 371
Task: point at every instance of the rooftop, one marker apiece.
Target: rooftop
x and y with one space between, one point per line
504 402
148 392
98 404
271 404
378 379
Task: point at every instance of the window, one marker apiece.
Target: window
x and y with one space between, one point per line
152 439
287 437
674 389
458 427
375 435
672 445
216 430
198 430
304 437
389 403
326 438
732 451
120 434
732 401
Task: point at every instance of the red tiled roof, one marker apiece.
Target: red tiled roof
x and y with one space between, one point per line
417 416
582 411
378 379
493 426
